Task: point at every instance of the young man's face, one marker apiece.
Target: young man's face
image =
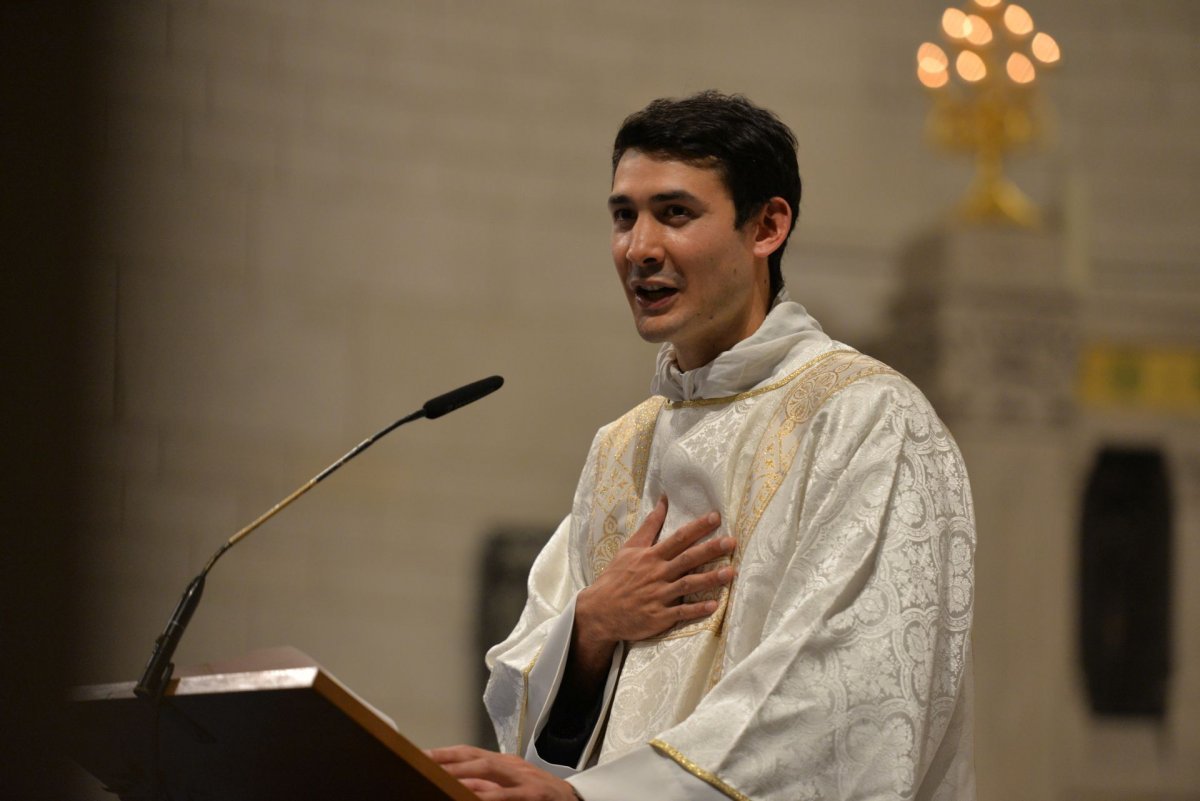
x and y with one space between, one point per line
691 278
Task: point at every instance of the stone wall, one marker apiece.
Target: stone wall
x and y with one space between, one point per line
315 214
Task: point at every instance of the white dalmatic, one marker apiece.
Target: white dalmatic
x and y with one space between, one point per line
837 664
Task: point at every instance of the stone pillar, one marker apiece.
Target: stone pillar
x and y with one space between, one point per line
987 324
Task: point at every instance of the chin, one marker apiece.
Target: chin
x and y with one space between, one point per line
650 332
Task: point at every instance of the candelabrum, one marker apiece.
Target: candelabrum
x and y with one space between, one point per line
985 99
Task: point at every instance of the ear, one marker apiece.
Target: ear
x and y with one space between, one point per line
772 225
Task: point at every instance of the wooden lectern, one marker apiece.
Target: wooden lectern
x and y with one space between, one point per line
287 732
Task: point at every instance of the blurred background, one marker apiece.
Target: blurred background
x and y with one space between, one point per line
241 235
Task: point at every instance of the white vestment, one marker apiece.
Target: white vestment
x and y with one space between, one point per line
837 665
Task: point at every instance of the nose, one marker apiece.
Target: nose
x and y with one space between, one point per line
644 247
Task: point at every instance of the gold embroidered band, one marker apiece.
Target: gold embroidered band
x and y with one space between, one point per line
697 771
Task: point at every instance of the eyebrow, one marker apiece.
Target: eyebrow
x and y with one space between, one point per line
661 197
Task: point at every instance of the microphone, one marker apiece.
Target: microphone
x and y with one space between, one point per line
458 398
159 668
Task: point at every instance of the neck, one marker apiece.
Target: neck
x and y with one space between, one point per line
699 354
745 319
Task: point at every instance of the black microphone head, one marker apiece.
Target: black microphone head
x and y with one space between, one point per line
457 398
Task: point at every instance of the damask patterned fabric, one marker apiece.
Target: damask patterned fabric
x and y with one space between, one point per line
837 665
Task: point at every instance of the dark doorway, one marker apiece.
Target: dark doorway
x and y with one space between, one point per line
1125 612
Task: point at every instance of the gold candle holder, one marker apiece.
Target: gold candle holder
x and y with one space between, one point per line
985 100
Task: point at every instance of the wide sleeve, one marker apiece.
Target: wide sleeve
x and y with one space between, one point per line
528 667
549 609
857 682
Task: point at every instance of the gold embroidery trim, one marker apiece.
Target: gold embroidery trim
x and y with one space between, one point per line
714 623
754 504
687 404
697 771
817 386
636 429
525 699
622 461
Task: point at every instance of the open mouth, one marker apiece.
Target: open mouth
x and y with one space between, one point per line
654 294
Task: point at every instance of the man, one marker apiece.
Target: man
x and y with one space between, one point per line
764 588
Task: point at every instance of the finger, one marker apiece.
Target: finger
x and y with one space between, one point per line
454 753
702 554
466 769
647 532
501 794
685 612
493 770
688 534
699 582
478 785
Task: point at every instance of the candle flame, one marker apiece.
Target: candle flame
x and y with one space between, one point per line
1045 49
1020 69
1018 21
954 23
970 66
977 31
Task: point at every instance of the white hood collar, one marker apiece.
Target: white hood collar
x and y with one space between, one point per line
754 361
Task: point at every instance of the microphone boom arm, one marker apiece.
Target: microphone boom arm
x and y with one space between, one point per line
159 668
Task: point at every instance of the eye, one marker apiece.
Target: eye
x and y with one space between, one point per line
623 217
677 214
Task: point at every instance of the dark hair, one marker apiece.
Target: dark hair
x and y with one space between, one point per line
753 151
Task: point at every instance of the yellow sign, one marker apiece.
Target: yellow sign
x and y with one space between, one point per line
1162 379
